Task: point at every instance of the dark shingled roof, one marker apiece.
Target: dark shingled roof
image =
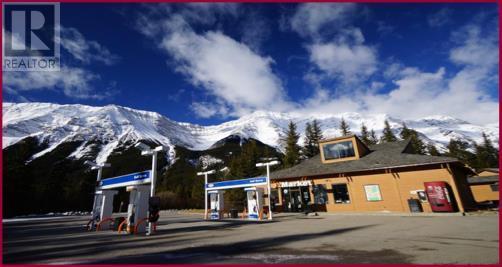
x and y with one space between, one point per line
483 179
382 156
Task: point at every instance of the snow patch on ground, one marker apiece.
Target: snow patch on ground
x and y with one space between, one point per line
207 160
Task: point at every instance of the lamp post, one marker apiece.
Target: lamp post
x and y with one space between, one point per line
148 151
268 164
205 189
99 167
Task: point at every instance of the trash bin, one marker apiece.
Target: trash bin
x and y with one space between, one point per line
415 205
117 222
234 213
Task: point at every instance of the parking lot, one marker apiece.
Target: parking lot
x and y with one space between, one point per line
290 238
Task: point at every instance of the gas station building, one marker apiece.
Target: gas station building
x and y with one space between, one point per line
348 176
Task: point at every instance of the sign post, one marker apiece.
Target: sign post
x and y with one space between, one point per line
205 189
147 151
98 167
268 164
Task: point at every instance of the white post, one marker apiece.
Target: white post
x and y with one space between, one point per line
152 185
93 215
205 196
269 193
100 171
154 173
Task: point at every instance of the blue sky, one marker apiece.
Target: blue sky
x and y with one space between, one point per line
209 63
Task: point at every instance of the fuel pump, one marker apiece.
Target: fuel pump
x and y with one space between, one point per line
216 204
138 207
103 207
255 201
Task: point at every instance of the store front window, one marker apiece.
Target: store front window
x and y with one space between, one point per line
320 194
341 193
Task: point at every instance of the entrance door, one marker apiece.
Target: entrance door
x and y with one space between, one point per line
295 199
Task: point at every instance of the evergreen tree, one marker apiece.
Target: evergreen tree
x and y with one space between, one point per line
365 135
458 149
316 133
432 150
313 135
405 132
387 134
344 128
486 154
416 143
373 139
292 155
308 146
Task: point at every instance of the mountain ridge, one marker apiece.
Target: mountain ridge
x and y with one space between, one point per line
109 127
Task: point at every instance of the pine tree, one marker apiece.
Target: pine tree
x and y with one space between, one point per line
313 135
344 128
316 133
309 146
486 154
417 146
405 132
387 134
292 155
458 149
365 135
373 139
432 150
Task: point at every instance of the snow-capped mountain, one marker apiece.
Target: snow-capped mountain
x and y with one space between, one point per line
111 127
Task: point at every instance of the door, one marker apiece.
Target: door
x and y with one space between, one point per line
296 200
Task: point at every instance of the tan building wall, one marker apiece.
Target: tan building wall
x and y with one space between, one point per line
483 192
396 188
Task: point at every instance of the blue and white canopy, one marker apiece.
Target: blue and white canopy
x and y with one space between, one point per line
137 178
237 183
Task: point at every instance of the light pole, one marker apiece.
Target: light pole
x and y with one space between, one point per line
99 167
205 189
268 164
148 151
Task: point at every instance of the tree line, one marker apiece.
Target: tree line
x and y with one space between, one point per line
478 156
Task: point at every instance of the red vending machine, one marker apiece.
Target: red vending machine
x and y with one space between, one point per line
439 196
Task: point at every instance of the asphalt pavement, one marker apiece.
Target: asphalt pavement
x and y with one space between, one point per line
289 238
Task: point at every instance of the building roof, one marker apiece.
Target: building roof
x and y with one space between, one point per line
381 156
483 179
489 170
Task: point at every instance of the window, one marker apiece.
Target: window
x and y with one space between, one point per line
341 193
339 150
320 194
373 192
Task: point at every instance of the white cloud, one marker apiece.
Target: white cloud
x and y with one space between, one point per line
344 55
417 94
85 50
240 80
208 110
440 18
312 18
351 63
224 68
475 48
74 82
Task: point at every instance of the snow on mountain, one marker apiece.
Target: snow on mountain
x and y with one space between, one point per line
109 127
